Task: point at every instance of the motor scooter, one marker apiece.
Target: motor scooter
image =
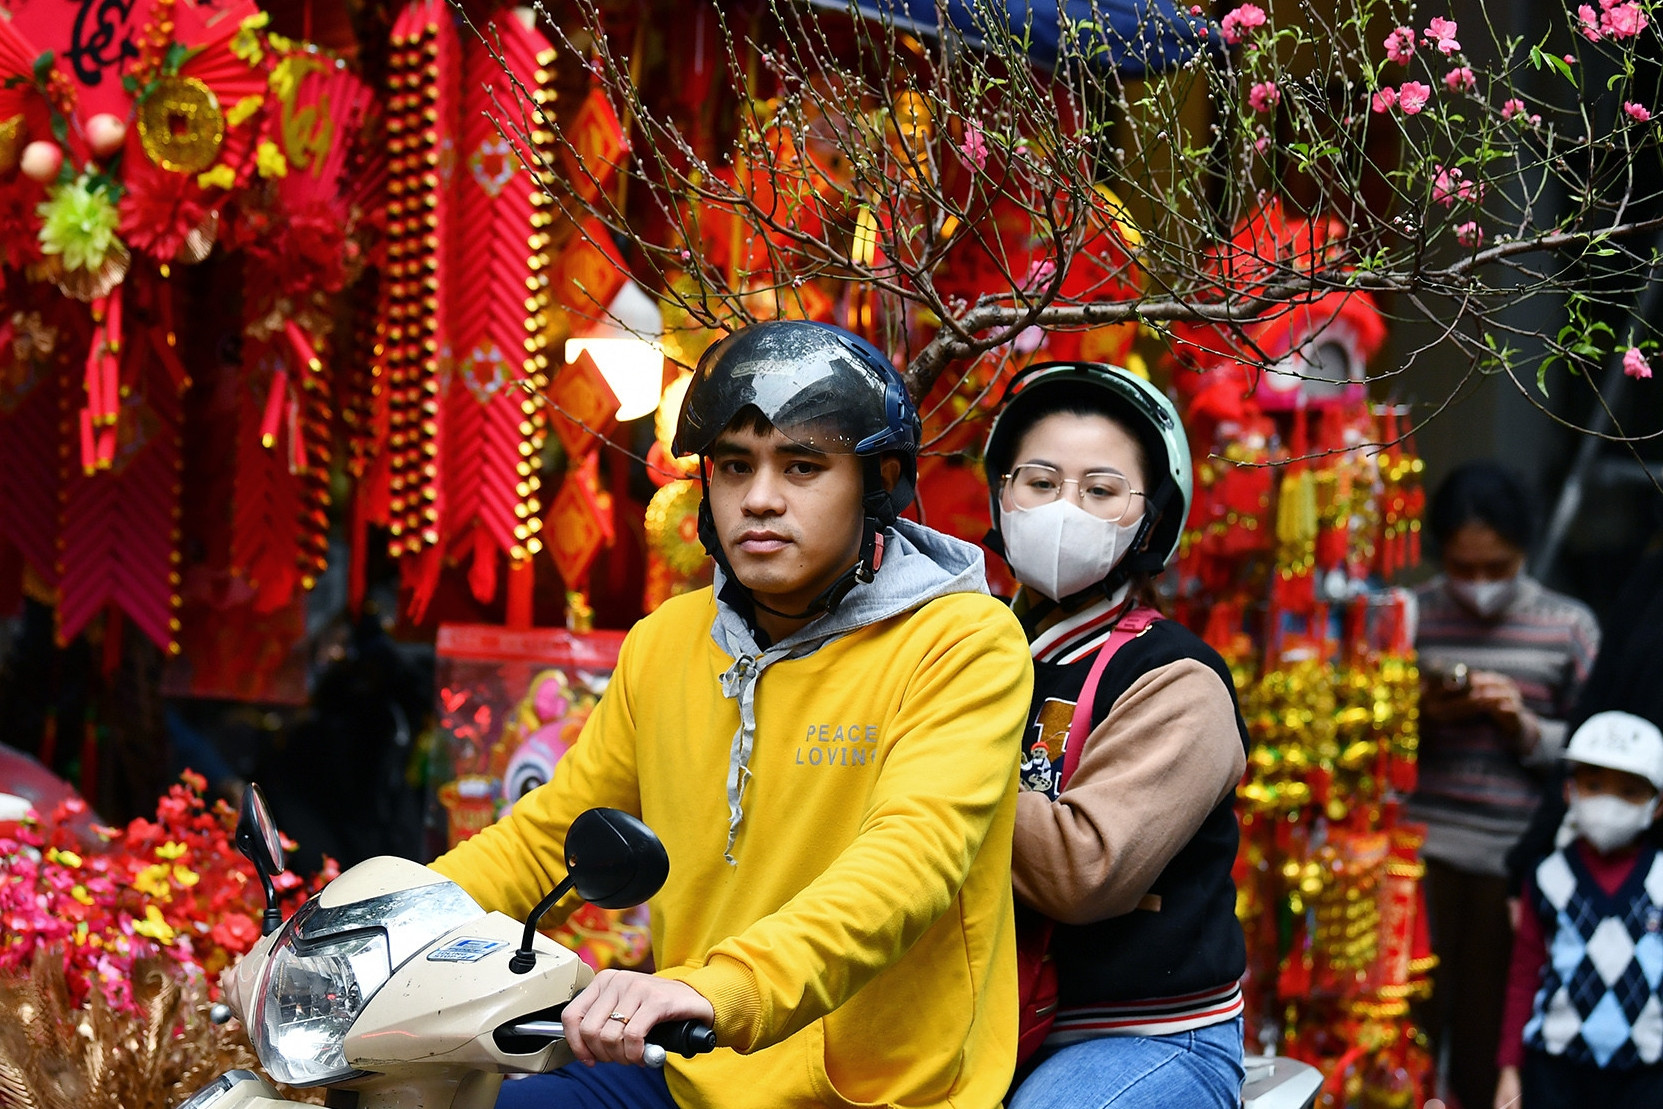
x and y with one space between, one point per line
396 990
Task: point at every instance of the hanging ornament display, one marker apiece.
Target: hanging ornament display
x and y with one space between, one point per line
494 423
1304 493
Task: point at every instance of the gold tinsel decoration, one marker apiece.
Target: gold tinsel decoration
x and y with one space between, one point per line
673 526
57 1056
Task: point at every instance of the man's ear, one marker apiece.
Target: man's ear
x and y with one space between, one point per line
889 469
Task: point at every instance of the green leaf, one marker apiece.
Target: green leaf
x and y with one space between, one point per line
176 54
43 66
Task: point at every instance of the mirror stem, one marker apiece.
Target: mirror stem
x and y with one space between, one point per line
525 958
272 919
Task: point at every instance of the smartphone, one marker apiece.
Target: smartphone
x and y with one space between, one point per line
1450 677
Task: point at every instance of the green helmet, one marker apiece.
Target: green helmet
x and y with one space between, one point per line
1132 401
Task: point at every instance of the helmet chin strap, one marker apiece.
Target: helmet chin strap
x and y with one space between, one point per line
864 569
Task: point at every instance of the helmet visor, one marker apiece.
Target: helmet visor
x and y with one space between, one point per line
816 393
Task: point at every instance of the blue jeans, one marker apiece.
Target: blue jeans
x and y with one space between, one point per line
1193 1070
602 1086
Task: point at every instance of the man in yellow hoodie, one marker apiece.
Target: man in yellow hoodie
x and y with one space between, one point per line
827 743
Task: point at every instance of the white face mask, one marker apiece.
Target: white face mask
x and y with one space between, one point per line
1487 598
1607 822
1060 548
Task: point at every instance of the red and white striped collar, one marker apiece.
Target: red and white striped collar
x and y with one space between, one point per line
1070 637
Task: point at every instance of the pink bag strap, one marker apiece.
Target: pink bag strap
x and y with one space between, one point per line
1131 625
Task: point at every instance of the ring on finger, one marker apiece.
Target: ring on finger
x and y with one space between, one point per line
617 1016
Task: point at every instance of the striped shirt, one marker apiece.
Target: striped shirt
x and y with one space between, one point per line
1476 791
1156 1016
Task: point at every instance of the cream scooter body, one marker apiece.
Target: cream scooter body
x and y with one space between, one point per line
396 990
428 1038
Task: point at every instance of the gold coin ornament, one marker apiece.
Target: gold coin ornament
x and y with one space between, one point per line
673 527
181 125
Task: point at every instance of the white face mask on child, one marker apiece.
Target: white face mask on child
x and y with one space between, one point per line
1060 548
1607 822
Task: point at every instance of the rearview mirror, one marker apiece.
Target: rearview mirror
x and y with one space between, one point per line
614 860
257 838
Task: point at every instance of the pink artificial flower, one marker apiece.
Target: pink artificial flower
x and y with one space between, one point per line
974 147
1635 364
1623 21
1263 96
1241 21
1590 23
1460 79
1469 234
1412 96
1400 45
1441 33
1637 112
1384 100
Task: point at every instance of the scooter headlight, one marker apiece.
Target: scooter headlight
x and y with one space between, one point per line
310 997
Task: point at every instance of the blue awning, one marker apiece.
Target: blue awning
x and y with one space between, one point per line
1132 37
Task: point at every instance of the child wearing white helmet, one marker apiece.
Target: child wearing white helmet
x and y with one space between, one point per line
1583 1023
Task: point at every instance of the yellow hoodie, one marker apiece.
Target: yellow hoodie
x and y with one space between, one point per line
860 949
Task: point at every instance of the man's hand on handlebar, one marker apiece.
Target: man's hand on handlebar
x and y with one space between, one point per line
608 1022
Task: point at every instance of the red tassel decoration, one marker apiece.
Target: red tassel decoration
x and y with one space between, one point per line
274 409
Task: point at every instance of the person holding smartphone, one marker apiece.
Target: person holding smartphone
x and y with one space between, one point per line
1502 661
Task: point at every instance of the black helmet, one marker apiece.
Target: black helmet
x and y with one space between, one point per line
1146 412
819 386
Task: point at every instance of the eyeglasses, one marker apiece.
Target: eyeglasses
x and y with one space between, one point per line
1105 494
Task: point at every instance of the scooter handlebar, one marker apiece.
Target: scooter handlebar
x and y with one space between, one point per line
685 1037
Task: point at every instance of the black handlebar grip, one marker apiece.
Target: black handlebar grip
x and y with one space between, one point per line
685 1037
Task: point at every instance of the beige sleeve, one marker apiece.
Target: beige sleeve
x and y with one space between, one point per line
1164 758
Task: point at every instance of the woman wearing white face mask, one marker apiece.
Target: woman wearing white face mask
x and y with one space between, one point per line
1584 1013
1125 828
1502 661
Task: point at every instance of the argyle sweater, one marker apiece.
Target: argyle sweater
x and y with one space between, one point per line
1600 1001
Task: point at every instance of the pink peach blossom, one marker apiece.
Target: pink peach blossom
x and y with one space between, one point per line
1400 45
1469 234
1589 23
1623 21
1241 21
1637 112
1263 96
1412 96
974 147
1460 79
1384 100
1635 364
1441 33
1450 185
